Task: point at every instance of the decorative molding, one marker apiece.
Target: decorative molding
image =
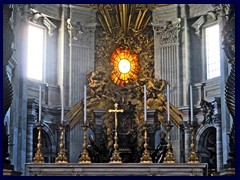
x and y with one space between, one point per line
167 31
197 26
35 16
82 32
50 26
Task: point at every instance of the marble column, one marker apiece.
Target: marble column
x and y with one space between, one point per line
32 118
219 152
187 141
218 125
29 141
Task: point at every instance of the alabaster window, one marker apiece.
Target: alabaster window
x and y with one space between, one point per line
125 66
212 44
35 52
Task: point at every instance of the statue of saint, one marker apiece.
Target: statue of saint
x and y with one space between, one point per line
159 153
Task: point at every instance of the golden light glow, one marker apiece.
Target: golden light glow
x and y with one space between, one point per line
125 66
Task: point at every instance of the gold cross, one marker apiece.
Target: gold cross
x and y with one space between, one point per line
116 110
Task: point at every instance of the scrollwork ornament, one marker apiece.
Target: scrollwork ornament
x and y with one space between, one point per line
222 10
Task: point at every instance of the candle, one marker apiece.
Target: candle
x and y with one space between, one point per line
191 104
145 104
62 104
85 104
168 104
40 103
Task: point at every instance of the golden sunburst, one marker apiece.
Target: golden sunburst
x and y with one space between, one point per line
125 66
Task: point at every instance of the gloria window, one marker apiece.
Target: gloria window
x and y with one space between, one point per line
125 66
36 52
212 45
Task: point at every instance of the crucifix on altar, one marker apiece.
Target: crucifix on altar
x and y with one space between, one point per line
115 156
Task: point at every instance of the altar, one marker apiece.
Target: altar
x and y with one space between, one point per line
112 169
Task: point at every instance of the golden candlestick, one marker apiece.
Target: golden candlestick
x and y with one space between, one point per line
146 158
84 155
38 158
193 156
61 158
169 155
115 156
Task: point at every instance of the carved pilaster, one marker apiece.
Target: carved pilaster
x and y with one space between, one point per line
166 47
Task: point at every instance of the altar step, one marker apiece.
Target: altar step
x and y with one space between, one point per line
124 169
